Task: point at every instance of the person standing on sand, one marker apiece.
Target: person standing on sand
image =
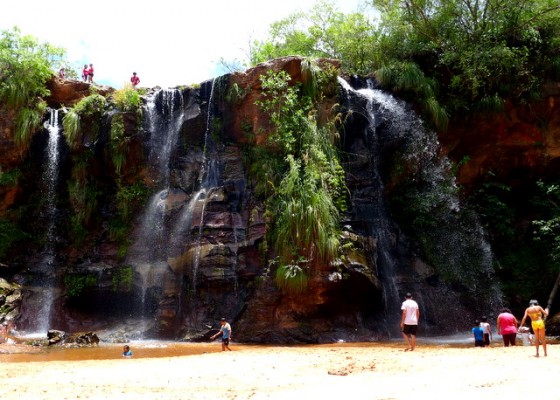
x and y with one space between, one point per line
535 313
478 334
409 321
487 330
225 330
507 327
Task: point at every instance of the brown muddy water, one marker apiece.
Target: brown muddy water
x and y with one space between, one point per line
157 349
104 351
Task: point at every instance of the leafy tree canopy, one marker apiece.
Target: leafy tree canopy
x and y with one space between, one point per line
479 51
25 66
454 55
322 32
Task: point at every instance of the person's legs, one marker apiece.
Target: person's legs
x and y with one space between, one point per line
225 344
505 340
509 339
412 342
512 337
407 340
540 337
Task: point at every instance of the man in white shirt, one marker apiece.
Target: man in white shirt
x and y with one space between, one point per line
409 321
225 330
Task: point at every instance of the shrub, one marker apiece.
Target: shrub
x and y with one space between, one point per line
128 99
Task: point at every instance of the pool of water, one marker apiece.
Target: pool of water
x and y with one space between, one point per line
155 349
104 351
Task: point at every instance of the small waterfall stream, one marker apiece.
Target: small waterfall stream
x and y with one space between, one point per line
457 240
208 179
148 253
45 283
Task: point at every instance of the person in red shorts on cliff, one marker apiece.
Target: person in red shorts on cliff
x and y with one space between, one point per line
90 73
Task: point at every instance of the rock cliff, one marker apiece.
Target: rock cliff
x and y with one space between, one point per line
210 263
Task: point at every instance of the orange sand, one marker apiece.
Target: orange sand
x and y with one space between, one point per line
365 371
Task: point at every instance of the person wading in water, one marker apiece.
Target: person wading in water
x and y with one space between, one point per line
536 312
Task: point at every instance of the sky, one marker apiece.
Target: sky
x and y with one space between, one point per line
167 42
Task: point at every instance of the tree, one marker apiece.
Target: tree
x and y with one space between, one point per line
480 51
321 32
25 67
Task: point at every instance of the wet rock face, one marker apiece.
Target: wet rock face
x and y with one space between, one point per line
79 339
10 153
230 277
10 301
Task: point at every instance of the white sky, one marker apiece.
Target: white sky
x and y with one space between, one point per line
167 42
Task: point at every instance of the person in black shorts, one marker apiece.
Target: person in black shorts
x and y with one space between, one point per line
409 321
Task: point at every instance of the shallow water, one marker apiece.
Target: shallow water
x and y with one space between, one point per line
106 351
157 349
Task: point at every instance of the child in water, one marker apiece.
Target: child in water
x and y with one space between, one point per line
127 352
478 334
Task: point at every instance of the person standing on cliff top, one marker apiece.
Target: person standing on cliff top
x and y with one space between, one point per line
225 330
90 73
85 73
409 321
135 80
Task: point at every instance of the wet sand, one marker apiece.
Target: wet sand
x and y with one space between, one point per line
366 370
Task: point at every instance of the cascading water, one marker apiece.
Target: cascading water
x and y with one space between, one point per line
45 281
148 254
208 179
454 239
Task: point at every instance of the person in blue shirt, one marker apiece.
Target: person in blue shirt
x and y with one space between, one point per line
225 330
127 352
478 334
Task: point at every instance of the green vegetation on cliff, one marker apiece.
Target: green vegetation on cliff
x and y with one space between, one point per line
303 178
456 55
25 67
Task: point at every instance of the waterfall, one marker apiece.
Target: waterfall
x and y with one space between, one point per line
44 284
452 241
148 253
208 179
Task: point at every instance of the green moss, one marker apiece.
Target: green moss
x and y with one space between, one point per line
10 178
235 93
75 284
10 234
122 278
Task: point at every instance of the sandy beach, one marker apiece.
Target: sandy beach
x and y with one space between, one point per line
367 371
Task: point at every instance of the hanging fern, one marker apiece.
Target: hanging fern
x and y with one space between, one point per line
118 142
291 279
71 125
305 190
28 120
